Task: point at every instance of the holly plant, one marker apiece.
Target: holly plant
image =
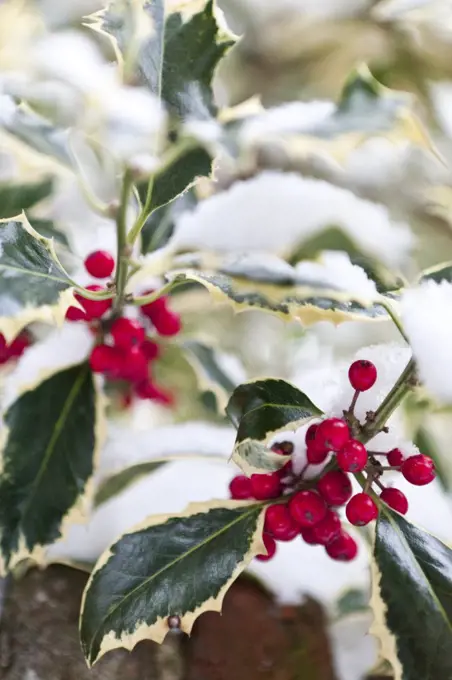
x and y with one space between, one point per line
163 164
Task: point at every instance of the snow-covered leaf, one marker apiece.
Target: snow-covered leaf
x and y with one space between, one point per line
259 410
275 212
266 283
427 319
180 565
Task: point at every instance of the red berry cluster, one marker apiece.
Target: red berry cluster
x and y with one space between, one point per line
306 507
14 349
124 352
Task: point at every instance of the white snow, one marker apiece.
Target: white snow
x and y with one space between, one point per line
427 318
275 211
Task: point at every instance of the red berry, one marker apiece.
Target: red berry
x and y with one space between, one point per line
327 529
147 390
76 314
135 365
395 499
154 308
395 458
150 349
240 488
106 359
94 308
270 546
316 453
342 548
167 323
361 510
100 264
335 487
362 375
279 523
332 433
4 356
310 433
418 470
285 471
265 486
308 536
307 508
352 457
18 345
127 332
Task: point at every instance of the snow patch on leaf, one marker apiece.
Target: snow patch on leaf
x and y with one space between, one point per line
274 212
335 268
427 318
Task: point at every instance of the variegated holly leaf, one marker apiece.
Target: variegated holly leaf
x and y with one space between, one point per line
176 61
177 565
168 189
334 238
33 284
412 599
271 285
50 440
212 377
15 198
176 58
36 132
159 226
259 410
177 375
49 230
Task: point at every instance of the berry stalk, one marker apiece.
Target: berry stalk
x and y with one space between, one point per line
401 388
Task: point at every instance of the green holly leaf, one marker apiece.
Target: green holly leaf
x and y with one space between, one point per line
33 284
271 285
15 198
50 437
178 565
412 599
259 410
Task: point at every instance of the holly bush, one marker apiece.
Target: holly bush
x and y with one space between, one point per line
277 159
